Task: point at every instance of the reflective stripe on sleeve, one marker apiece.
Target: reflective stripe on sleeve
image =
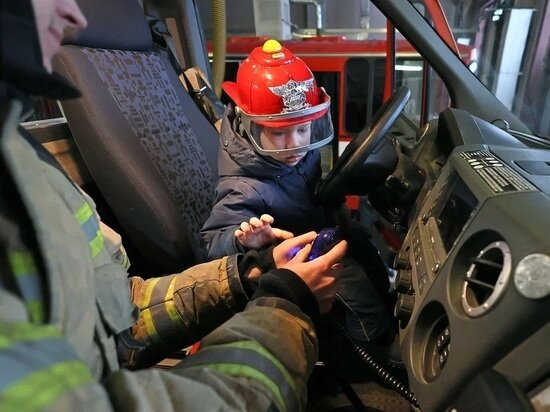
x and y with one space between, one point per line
164 314
158 309
83 213
150 325
170 306
86 219
123 258
96 244
38 366
143 300
248 359
26 276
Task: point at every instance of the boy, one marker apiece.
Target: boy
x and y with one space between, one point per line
268 170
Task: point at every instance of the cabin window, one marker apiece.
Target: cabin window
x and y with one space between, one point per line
364 92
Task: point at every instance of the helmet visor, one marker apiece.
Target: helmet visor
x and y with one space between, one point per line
287 135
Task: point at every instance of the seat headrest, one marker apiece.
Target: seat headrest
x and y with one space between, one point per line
113 24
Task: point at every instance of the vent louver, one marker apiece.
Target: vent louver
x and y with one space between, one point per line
486 278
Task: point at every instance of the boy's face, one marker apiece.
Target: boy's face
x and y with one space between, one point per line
288 137
53 18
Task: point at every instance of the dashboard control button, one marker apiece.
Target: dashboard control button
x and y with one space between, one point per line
402 260
404 308
403 281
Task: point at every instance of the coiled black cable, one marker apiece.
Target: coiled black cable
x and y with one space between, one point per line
381 372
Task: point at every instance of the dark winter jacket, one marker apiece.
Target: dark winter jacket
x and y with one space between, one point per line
251 184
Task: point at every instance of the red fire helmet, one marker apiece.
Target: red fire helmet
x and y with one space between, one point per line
276 89
273 81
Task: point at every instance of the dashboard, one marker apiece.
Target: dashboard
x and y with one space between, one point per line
473 280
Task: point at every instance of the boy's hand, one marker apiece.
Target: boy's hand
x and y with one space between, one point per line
257 233
321 275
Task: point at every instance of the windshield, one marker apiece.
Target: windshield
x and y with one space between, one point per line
504 42
508 49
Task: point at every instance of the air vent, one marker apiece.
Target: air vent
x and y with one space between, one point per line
486 278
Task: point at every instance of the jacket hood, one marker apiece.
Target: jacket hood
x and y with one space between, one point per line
21 69
238 157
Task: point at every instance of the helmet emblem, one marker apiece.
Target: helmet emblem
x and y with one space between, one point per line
293 94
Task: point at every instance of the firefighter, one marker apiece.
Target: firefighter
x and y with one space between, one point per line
71 316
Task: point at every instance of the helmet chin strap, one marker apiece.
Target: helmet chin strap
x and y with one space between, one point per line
237 121
240 127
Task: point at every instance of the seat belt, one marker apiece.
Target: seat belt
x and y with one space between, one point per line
193 79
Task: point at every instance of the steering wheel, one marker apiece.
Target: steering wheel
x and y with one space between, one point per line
359 149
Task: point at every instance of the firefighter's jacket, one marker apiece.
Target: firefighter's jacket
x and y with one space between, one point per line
66 303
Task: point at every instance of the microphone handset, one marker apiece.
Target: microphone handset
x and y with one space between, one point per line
326 239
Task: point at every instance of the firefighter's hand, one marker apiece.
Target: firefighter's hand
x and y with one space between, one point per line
257 233
321 275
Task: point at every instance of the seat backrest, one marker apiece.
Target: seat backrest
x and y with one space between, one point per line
151 152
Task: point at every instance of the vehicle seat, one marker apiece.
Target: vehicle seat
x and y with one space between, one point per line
149 149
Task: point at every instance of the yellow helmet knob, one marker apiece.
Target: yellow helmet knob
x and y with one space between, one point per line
272 46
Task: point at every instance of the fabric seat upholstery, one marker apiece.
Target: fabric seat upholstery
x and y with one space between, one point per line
151 152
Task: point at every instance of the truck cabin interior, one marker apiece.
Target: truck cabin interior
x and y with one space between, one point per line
453 180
